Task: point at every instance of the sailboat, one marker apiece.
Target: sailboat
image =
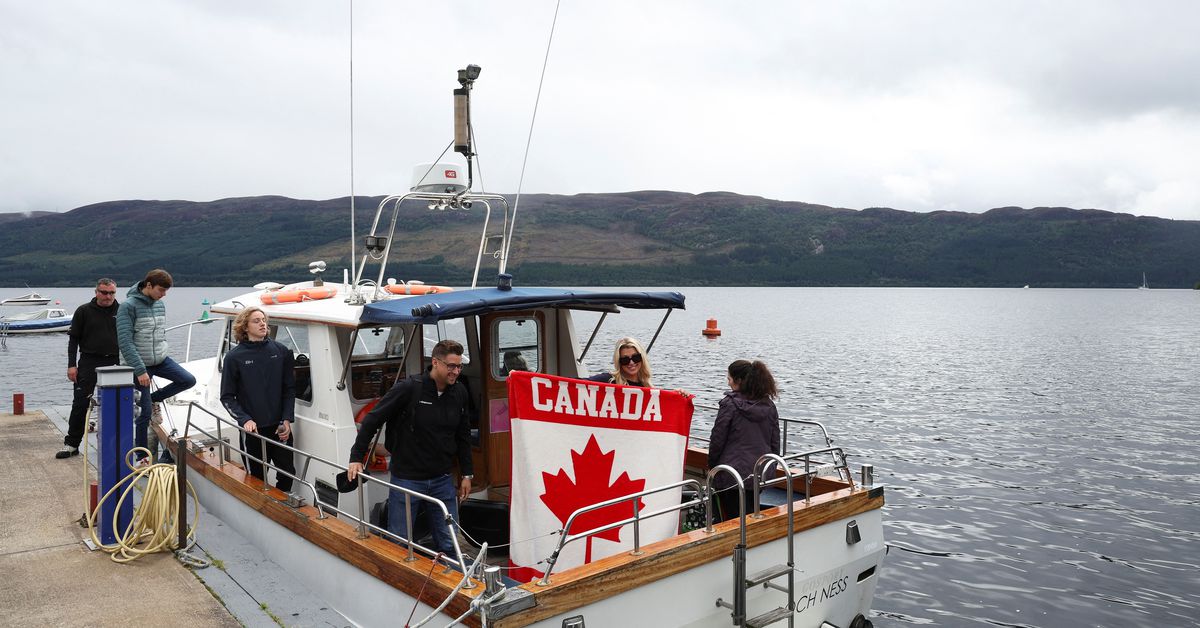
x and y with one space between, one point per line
1144 286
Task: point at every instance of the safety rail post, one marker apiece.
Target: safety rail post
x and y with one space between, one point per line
739 551
637 532
181 453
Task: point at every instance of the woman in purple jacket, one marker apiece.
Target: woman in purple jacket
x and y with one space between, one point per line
747 427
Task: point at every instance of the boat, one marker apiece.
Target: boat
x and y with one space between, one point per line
807 552
32 298
1144 286
39 322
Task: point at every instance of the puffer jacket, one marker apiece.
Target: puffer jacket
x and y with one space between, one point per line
141 330
745 429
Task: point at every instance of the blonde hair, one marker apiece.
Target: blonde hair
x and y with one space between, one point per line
243 321
643 368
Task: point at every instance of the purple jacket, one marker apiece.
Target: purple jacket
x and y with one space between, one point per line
744 431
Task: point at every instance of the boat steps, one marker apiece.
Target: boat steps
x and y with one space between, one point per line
766 575
769 617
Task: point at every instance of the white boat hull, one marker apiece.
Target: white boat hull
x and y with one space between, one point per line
828 586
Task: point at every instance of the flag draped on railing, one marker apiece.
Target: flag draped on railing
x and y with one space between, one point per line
577 443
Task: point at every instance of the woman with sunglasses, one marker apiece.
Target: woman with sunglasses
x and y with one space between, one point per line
747 427
630 367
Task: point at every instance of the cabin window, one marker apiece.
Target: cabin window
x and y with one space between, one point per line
453 329
295 337
516 346
376 361
378 343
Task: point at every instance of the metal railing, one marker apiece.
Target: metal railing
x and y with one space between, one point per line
785 436
187 352
322 507
809 472
636 519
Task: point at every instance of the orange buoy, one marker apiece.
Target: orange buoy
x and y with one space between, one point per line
711 330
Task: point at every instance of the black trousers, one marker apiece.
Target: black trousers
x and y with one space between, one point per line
278 456
85 385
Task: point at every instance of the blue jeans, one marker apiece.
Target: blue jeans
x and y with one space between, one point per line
441 487
181 380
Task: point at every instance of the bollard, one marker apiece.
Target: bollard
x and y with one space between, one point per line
18 403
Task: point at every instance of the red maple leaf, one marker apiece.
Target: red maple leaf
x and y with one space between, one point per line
592 469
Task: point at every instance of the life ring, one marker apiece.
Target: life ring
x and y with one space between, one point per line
374 462
415 288
297 295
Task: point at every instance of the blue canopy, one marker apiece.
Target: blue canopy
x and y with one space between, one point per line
431 308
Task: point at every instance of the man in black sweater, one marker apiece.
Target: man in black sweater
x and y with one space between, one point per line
258 388
428 430
93 336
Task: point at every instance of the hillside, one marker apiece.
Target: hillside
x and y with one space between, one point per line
636 238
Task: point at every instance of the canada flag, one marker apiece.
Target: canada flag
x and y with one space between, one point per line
577 443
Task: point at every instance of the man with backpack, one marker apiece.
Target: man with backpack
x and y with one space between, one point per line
428 430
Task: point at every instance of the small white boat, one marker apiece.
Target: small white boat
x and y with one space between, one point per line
1144 286
39 322
32 298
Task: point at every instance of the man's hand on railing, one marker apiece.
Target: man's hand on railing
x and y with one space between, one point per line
251 426
353 470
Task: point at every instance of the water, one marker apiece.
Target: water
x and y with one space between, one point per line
1039 445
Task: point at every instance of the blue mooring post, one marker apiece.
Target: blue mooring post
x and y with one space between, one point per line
115 437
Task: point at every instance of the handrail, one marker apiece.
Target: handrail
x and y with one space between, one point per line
808 472
785 436
187 352
455 199
739 551
321 506
635 520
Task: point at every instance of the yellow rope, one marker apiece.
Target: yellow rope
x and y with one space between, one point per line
154 526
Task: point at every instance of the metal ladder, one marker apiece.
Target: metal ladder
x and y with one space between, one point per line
765 577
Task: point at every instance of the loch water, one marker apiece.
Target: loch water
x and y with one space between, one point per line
1039 446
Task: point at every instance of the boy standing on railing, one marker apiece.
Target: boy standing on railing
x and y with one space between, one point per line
142 338
258 388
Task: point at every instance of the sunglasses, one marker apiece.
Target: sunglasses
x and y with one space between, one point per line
108 292
626 359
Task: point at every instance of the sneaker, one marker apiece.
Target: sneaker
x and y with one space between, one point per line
66 452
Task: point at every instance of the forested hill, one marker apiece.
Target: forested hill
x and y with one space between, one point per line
636 238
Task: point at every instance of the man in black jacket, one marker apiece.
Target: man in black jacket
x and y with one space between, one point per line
93 335
425 438
258 388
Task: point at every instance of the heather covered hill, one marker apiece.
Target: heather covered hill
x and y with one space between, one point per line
634 238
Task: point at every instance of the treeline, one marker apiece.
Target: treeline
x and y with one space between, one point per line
640 238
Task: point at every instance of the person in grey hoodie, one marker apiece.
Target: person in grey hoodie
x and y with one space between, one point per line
142 338
747 427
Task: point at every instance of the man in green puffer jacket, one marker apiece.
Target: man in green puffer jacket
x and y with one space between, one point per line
142 338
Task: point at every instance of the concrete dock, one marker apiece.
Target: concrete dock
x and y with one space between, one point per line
51 577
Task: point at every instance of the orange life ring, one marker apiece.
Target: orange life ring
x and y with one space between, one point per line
374 462
415 288
297 295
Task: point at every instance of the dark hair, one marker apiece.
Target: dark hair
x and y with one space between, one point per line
445 348
754 380
158 277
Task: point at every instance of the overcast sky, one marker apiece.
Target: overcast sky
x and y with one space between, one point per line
917 105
